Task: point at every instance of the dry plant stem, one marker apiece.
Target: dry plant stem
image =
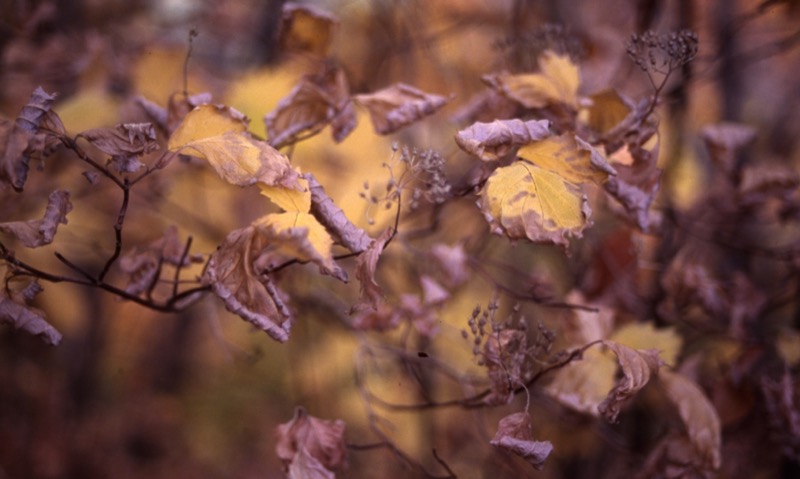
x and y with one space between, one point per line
476 401
478 267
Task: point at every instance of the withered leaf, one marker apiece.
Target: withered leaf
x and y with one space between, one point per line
320 441
399 105
123 139
233 274
514 435
300 235
16 140
334 220
492 141
36 233
366 264
15 311
316 101
637 368
698 415
307 28
608 109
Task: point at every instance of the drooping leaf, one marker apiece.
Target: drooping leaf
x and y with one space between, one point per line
492 141
514 435
16 140
307 28
334 220
399 105
637 367
219 135
366 264
699 417
36 233
301 236
15 311
556 82
312 442
234 276
316 101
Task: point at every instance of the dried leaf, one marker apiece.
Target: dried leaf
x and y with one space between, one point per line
637 367
307 28
16 140
399 105
315 102
366 264
301 236
233 275
556 82
218 134
123 140
36 233
698 415
492 141
335 221
318 439
514 435
15 311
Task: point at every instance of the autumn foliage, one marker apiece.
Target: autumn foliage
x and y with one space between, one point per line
481 241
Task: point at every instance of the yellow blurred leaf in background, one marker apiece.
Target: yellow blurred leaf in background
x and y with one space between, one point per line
557 82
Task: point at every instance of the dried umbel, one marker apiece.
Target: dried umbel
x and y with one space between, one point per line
662 53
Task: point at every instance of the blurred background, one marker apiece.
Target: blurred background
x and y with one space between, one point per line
136 393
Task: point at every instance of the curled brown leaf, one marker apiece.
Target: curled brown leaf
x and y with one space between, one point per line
311 446
234 277
637 368
514 435
398 106
306 28
36 233
15 311
492 141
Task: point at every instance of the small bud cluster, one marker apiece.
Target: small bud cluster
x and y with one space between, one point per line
662 53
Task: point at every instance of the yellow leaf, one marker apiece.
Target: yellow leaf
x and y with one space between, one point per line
525 201
301 236
207 121
556 82
218 135
292 200
570 157
583 385
645 336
